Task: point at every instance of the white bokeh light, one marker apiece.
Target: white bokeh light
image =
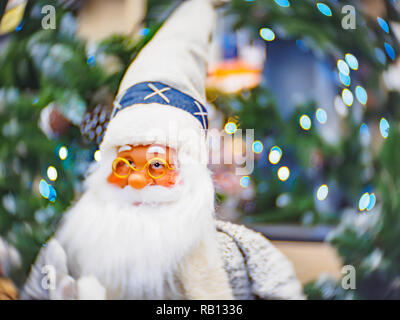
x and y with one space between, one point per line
322 192
52 173
283 173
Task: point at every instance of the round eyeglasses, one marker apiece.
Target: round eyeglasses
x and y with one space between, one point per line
156 167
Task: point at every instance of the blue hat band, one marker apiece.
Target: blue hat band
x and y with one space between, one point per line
157 92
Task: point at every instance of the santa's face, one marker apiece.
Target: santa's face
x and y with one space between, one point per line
148 175
142 166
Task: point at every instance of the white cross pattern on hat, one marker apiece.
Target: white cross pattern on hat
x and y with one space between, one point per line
201 113
116 108
157 92
139 93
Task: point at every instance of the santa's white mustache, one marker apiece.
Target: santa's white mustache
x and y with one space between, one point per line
151 194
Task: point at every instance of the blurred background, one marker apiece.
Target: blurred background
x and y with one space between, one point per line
318 81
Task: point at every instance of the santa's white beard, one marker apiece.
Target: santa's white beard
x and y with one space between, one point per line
135 251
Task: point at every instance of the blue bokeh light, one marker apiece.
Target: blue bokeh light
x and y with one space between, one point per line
324 9
384 128
343 67
321 116
380 55
390 51
345 80
351 61
383 24
372 202
361 95
245 181
44 189
283 3
267 34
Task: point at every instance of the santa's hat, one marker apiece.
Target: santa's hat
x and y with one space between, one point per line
161 98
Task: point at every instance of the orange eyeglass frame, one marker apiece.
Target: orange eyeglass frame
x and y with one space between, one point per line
146 166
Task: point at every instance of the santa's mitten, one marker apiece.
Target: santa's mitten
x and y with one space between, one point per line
89 288
50 278
86 288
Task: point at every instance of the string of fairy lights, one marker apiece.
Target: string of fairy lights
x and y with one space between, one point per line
345 66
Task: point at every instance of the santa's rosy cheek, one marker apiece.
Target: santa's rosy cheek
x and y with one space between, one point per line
168 180
112 179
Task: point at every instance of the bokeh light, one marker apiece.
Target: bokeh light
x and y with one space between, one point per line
347 97
361 95
257 146
44 189
384 128
321 115
144 32
283 173
343 67
47 191
372 202
283 3
19 27
324 9
275 155
352 61
383 24
322 192
283 200
267 34
244 181
97 155
390 51
52 173
364 202
53 193
63 153
305 122
91 61
365 135
380 55
230 127
345 80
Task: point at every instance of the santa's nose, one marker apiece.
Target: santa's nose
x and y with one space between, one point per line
138 180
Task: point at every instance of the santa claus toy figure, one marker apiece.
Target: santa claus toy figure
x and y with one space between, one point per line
145 226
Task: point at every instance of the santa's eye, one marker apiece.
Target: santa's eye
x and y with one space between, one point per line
131 163
157 165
